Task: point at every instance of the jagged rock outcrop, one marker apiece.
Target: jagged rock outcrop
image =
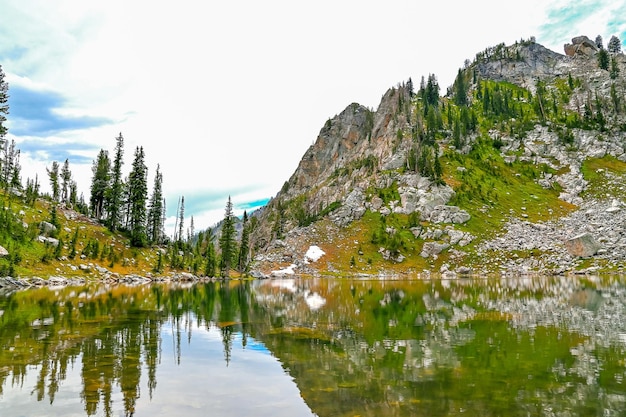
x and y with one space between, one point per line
581 45
523 64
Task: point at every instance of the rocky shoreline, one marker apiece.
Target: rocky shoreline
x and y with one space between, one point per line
10 284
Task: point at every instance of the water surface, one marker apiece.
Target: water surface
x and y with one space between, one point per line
550 346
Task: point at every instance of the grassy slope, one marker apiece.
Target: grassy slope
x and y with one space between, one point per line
39 259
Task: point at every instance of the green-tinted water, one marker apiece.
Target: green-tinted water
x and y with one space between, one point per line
326 347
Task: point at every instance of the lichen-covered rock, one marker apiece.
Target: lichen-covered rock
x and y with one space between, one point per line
582 246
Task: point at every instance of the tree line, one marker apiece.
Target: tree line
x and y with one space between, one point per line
123 203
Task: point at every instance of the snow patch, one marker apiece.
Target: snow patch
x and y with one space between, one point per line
285 271
313 254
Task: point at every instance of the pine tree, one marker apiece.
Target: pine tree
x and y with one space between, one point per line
115 192
73 199
10 164
603 59
244 247
460 89
155 210
101 179
53 175
432 90
599 42
181 220
227 241
615 45
137 196
209 269
66 177
4 106
614 72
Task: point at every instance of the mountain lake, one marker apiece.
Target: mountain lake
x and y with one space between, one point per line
509 346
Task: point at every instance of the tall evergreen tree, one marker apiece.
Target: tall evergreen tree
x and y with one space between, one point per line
10 162
4 106
244 247
155 209
53 175
603 59
73 199
614 71
114 194
615 45
211 262
100 182
66 177
432 90
599 42
137 197
460 89
181 220
228 241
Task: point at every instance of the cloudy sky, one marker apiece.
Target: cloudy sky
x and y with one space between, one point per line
227 96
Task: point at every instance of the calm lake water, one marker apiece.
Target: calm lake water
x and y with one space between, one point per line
549 346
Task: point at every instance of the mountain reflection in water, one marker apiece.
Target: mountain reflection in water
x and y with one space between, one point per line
326 347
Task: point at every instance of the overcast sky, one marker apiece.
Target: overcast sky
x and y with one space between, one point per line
227 96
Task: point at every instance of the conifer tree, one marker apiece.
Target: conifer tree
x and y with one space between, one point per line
210 266
227 241
432 90
53 175
614 72
603 59
244 247
101 170
181 219
599 44
615 45
115 193
73 199
460 89
66 177
4 106
137 196
155 209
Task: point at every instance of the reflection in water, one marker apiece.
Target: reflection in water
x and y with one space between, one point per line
540 346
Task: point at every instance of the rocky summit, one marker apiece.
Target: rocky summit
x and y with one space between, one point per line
518 168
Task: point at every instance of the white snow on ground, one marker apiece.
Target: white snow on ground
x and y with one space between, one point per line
315 301
313 254
285 271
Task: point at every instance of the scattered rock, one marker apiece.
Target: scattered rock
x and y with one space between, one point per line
582 246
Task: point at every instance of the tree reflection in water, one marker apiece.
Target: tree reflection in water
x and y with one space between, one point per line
373 348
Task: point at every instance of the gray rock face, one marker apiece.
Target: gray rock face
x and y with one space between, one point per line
582 246
535 61
353 208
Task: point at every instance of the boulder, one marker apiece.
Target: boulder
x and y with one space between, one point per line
47 228
582 246
581 45
3 252
433 248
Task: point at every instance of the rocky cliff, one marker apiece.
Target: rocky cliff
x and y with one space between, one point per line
427 184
